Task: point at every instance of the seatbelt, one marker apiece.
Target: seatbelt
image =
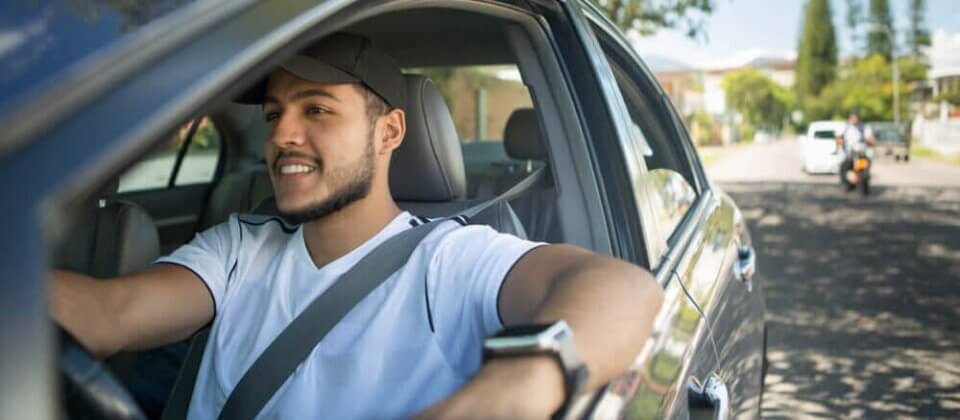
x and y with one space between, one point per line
282 357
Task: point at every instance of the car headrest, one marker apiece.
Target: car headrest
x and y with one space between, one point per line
521 136
111 238
428 165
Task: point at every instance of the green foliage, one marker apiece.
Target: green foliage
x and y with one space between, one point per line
649 16
867 88
879 42
761 101
951 97
704 129
817 58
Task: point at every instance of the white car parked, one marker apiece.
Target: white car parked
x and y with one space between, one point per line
818 148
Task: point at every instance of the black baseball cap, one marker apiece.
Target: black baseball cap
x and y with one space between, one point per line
342 58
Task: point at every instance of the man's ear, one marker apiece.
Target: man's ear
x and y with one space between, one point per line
394 125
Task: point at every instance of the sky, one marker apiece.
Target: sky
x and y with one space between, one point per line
739 29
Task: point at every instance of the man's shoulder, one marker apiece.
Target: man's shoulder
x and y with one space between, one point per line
246 227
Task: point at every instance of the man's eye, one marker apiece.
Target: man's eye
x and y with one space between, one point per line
270 116
316 110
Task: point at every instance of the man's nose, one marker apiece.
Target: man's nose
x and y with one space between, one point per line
288 131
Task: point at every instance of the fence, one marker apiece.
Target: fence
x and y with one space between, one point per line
942 135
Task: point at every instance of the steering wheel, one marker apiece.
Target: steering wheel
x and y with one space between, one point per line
89 389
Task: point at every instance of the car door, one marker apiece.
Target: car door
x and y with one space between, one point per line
679 356
700 236
720 268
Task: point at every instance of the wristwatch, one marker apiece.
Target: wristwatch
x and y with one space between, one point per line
556 340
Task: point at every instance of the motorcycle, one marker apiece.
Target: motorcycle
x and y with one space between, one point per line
858 175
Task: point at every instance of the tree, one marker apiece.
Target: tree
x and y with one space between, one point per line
918 36
854 19
878 41
867 88
648 16
817 60
761 101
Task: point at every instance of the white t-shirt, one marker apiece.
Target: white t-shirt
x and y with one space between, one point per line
854 139
413 341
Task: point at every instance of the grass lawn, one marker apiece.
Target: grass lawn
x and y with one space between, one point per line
928 153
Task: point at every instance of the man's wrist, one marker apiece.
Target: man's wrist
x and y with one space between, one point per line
535 382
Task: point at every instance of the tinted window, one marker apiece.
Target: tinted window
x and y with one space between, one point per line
198 164
824 134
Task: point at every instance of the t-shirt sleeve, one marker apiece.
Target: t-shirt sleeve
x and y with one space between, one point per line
463 288
209 256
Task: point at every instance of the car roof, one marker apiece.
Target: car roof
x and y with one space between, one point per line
49 38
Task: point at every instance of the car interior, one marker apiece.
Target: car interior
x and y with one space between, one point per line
213 165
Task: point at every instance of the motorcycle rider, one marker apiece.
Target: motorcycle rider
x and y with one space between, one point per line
854 137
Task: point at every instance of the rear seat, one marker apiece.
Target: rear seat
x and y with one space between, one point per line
536 208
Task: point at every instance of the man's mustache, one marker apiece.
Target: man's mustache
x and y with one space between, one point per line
292 154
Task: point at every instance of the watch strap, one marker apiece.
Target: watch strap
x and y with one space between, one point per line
573 384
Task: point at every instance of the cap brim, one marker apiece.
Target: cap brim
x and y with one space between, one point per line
302 67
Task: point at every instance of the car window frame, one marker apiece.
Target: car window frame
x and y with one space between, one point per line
663 250
182 153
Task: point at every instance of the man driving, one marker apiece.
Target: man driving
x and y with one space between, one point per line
335 114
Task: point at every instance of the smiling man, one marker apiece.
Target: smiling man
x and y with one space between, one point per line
336 115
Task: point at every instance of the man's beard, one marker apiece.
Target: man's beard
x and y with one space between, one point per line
355 182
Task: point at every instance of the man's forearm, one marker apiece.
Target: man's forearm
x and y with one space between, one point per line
610 306
89 309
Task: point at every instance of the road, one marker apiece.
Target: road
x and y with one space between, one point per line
780 161
863 293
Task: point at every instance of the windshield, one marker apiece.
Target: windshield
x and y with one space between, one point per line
824 135
41 40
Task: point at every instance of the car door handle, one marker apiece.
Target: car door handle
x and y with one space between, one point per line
710 400
746 265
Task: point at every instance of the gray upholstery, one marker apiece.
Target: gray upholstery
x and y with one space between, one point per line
428 165
536 208
112 238
521 136
237 192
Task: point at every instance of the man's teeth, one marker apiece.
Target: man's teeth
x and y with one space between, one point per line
295 169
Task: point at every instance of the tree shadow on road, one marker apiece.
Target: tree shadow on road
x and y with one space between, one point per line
863 299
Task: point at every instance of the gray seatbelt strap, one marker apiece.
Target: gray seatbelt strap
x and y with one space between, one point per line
282 357
179 401
521 187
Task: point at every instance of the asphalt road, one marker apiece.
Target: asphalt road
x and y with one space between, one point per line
780 162
863 293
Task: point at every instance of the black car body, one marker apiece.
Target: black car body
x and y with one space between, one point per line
92 88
